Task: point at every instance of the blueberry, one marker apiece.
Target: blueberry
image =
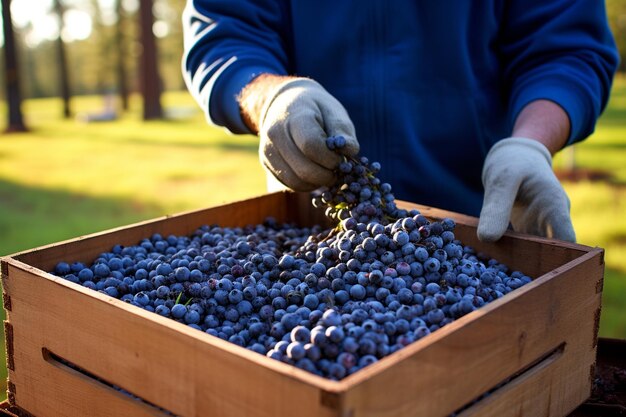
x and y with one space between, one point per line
112 291
432 265
62 269
192 317
335 334
357 292
296 351
336 371
182 273
162 310
421 254
235 296
290 320
101 270
331 318
435 316
85 274
179 311
347 360
300 334
141 298
163 291
367 360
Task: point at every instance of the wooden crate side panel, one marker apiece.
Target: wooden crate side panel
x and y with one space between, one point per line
167 364
135 350
458 363
533 393
532 255
48 390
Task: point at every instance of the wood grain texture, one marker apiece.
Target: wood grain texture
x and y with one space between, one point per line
164 362
193 374
458 363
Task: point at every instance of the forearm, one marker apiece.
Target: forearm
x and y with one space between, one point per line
253 96
545 122
228 43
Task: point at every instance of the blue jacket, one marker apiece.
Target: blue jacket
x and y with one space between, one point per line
429 84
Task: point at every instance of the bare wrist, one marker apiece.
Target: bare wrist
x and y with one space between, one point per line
253 96
545 122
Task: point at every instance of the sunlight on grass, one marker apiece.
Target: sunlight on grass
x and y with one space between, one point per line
607 230
612 322
599 208
169 165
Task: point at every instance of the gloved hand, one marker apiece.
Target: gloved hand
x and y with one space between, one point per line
521 187
293 126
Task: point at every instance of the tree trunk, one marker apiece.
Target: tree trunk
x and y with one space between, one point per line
122 85
149 76
15 121
62 60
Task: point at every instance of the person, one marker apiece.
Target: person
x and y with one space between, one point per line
463 103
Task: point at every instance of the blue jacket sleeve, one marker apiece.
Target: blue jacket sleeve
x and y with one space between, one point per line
226 44
559 50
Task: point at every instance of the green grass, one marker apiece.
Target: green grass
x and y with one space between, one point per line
599 207
64 179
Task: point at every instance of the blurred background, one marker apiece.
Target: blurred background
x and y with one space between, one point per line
98 131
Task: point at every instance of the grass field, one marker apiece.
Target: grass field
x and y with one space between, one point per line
598 207
64 179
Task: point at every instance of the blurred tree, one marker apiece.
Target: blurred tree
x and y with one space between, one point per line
168 29
122 86
64 84
149 72
15 122
109 59
103 38
32 84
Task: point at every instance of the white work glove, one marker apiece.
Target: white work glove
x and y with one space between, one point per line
294 124
521 187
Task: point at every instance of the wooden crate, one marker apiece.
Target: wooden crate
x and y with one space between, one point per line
69 348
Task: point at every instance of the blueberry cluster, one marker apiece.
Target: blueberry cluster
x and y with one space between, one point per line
330 307
327 301
358 194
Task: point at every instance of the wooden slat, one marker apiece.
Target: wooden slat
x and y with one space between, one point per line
193 374
166 363
528 395
52 391
458 363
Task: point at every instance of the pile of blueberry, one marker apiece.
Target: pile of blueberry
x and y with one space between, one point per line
329 302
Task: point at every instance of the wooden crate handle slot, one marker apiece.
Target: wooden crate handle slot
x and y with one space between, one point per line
9 351
80 372
519 377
